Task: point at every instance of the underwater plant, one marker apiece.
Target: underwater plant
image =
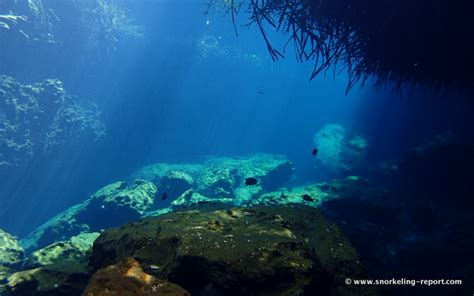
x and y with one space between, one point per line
422 42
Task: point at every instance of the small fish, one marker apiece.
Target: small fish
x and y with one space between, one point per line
260 92
164 196
308 198
315 151
251 181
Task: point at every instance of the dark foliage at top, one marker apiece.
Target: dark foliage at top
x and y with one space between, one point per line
424 42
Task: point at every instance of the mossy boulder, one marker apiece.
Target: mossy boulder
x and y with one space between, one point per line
77 248
60 269
5 272
11 256
67 278
238 251
11 252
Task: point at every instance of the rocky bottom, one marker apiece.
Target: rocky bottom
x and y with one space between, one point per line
280 250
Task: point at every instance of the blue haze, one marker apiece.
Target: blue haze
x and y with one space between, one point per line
162 101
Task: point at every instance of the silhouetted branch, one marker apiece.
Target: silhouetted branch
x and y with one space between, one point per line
407 41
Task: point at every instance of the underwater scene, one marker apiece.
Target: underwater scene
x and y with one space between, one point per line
236 147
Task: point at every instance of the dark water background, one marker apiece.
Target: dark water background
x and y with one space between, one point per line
163 101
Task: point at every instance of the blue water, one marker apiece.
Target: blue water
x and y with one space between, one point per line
163 99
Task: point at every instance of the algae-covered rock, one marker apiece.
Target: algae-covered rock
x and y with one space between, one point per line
11 252
36 119
113 205
339 151
11 256
310 195
155 172
117 203
64 279
219 179
138 196
171 186
238 251
5 272
271 171
160 187
77 248
127 278
58 269
59 228
315 194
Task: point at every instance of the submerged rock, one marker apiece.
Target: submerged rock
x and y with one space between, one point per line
171 186
238 251
116 204
11 252
216 180
338 151
60 269
11 256
127 278
38 118
110 206
63 279
155 188
155 172
315 194
59 228
5 272
77 248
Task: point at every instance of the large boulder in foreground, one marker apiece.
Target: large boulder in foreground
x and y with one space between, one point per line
238 251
